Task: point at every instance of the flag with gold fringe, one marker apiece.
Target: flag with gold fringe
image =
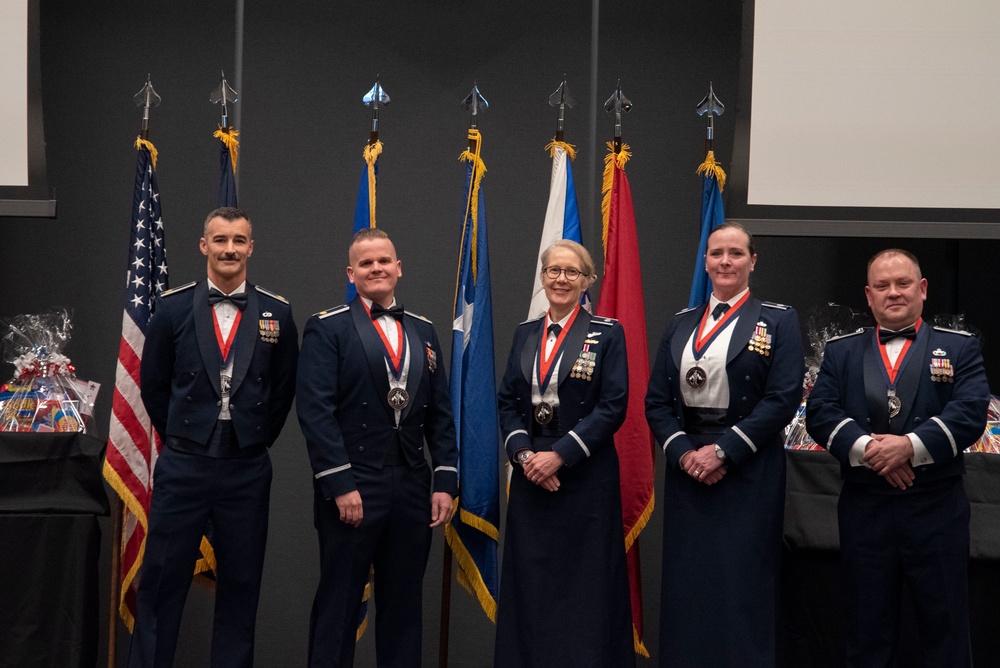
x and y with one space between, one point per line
562 216
133 444
229 147
712 215
364 207
364 218
473 532
621 298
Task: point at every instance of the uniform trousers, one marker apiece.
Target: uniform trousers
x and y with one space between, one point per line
919 539
189 491
394 537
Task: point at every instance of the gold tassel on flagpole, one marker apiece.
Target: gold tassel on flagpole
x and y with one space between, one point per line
148 145
711 168
371 154
472 202
569 148
610 160
229 137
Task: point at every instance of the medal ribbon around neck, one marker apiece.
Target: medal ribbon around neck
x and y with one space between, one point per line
395 359
544 369
700 343
226 344
893 370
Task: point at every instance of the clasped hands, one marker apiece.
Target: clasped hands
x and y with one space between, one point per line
541 467
889 456
703 464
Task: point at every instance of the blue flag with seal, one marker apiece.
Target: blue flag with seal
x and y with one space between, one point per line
473 532
712 215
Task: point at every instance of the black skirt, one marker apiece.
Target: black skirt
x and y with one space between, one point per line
564 592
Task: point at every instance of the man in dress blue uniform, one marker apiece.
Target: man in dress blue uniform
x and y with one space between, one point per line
371 392
897 405
217 379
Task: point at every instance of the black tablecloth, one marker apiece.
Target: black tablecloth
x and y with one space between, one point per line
51 493
810 633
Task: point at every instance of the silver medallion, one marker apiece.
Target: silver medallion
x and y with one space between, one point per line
894 404
696 377
398 398
543 413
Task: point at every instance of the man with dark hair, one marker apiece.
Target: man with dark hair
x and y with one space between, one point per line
897 405
217 379
371 392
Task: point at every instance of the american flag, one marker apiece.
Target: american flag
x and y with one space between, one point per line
132 442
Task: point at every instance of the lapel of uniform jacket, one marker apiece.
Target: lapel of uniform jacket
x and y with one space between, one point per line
876 390
573 342
531 349
908 379
374 352
204 327
246 338
682 335
743 329
416 366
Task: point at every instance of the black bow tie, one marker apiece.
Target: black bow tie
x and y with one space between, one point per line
378 311
238 300
555 328
719 310
886 335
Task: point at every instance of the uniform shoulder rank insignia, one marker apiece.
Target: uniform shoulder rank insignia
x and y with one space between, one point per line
270 294
938 328
783 307
760 342
601 320
849 334
683 311
532 320
173 291
418 317
332 311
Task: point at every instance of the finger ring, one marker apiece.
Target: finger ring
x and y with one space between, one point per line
697 472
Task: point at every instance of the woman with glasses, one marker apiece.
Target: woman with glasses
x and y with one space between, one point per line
564 596
726 381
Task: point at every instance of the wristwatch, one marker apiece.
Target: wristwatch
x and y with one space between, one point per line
720 453
523 456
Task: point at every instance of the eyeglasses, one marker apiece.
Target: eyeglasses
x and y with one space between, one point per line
571 273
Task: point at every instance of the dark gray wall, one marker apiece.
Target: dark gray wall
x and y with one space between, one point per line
306 66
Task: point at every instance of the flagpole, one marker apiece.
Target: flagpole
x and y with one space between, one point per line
443 639
146 98
474 103
117 508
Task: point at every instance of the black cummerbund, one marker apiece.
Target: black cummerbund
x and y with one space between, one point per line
705 420
222 444
549 430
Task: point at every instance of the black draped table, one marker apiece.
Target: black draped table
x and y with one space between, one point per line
51 493
810 632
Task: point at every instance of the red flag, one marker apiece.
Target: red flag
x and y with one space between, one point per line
621 298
